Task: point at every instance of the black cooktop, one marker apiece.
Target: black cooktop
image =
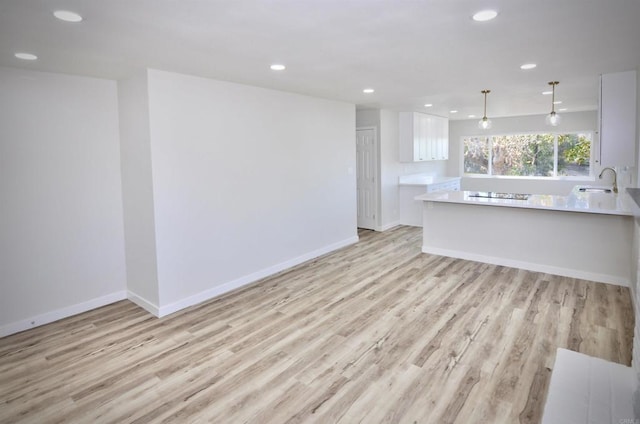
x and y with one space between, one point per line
495 195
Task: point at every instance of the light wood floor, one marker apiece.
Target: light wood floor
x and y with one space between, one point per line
376 332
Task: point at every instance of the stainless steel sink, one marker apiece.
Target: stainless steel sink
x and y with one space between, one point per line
594 190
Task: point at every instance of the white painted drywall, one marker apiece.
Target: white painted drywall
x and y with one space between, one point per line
368 118
576 121
581 245
61 230
244 179
390 169
386 121
635 287
137 191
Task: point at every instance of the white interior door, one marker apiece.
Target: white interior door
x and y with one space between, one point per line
366 170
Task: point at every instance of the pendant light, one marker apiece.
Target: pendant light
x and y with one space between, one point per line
485 123
553 118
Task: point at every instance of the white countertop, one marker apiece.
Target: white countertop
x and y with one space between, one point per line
423 180
634 193
600 203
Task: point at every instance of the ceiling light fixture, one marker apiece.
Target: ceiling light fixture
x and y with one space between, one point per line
26 56
472 116
453 111
547 93
485 123
528 66
278 67
67 16
485 15
553 118
428 105
368 90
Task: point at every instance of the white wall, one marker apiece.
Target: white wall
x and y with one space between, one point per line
137 191
246 181
635 286
577 121
61 230
368 118
390 169
365 119
386 122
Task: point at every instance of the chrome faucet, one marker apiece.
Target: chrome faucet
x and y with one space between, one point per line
615 178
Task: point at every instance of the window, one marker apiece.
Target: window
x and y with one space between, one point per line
529 155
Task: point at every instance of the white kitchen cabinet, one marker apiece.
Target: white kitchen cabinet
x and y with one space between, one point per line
423 137
617 119
415 185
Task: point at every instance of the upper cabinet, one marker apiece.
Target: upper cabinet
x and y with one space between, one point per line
617 119
423 137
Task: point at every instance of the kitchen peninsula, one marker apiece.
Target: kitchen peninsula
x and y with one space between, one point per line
586 234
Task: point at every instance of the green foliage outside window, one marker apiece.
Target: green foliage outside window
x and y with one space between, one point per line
476 155
574 154
523 155
528 155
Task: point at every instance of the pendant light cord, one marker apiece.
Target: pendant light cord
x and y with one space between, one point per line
553 96
485 92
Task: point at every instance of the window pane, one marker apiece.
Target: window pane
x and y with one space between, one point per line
574 154
476 155
523 155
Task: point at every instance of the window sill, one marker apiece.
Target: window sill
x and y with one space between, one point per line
514 177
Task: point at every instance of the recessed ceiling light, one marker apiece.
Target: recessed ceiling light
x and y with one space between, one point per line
453 111
26 56
547 93
562 109
67 16
472 116
485 15
557 102
428 105
528 66
368 90
278 67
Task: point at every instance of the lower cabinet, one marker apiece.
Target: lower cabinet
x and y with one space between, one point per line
410 209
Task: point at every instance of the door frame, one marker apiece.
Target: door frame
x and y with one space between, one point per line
376 168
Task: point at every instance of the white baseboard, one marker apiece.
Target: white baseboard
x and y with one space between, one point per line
247 279
150 307
48 317
161 311
530 266
388 226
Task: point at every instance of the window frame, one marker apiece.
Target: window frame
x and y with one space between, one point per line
555 177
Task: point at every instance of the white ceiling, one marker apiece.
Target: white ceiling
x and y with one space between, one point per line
411 52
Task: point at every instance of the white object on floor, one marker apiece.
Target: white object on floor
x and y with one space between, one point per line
588 390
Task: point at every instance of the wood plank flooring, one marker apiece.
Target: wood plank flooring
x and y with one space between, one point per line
374 333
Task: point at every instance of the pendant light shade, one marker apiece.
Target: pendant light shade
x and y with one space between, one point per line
485 123
553 118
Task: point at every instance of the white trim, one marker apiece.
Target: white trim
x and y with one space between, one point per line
251 278
388 226
58 314
148 306
378 177
529 266
553 131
